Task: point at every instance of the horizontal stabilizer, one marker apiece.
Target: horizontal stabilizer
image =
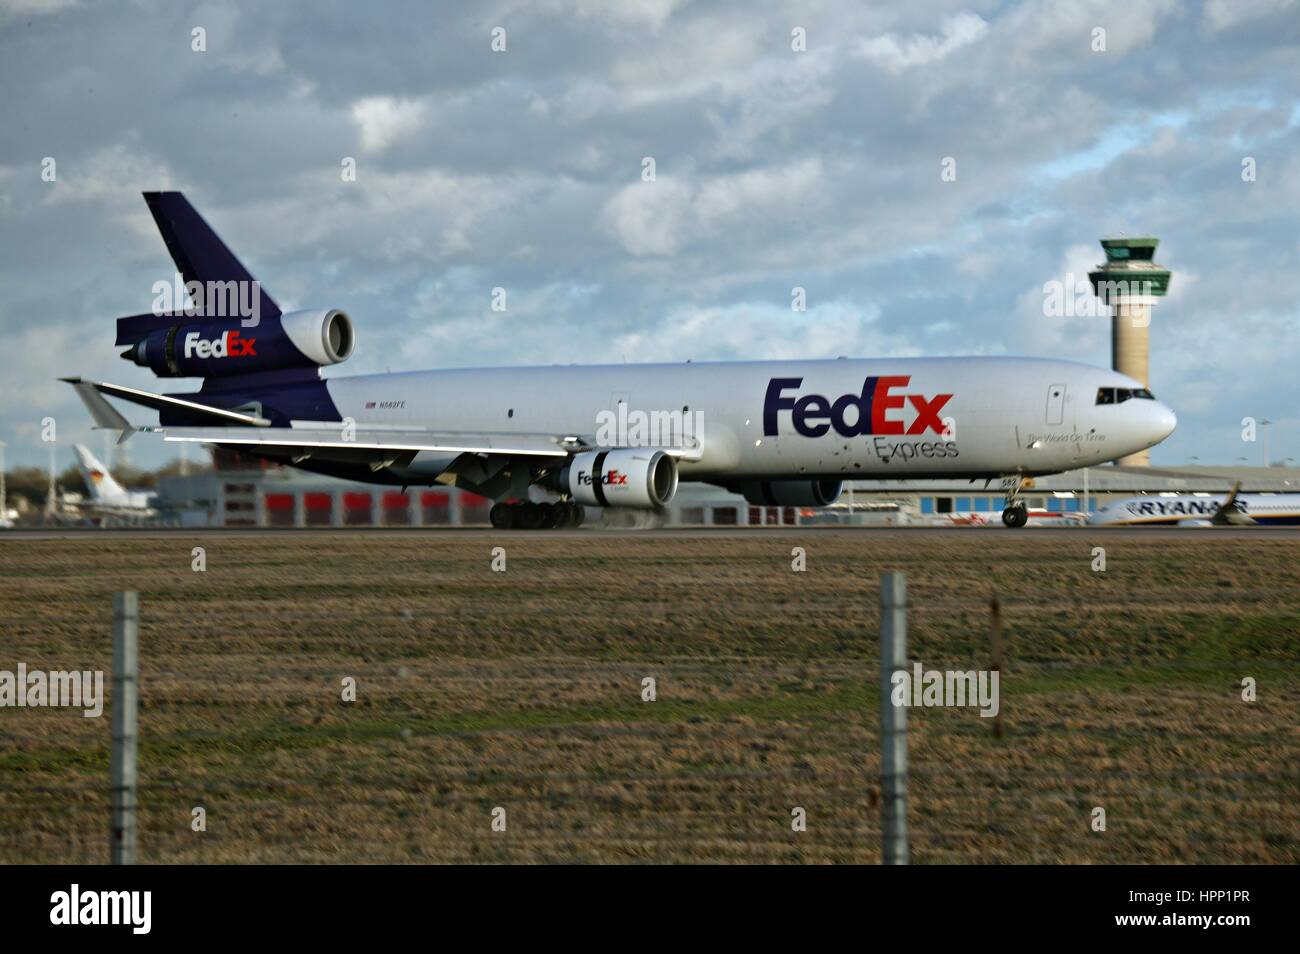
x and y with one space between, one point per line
158 402
101 412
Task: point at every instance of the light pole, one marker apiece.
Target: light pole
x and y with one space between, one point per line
51 495
4 504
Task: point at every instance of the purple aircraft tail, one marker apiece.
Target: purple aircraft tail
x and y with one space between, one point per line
199 255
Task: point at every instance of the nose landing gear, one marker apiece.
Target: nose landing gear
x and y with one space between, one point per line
1017 513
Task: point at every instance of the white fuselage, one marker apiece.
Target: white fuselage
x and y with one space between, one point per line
1199 510
862 418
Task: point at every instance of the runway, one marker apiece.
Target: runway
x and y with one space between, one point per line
1178 534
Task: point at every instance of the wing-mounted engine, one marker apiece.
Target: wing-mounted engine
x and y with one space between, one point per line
191 346
789 493
622 477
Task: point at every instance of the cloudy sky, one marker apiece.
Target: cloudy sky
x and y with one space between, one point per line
774 168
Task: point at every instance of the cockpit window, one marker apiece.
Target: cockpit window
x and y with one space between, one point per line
1120 395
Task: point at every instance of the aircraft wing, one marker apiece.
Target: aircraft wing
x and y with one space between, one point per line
377 445
333 441
329 440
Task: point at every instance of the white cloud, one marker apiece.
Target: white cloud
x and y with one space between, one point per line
648 218
1226 14
897 54
384 120
1047 35
760 331
658 218
1087 322
28 7
648 13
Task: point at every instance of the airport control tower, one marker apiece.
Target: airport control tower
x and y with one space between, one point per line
1130 282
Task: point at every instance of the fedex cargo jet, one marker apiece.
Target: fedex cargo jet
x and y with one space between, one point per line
543 440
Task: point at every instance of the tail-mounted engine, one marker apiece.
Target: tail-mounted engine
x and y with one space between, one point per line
191 346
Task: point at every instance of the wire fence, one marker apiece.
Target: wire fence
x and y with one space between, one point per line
473 694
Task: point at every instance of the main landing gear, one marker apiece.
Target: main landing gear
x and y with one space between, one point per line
527 515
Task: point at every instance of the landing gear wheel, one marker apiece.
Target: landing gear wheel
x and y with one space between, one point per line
1015 517
547 511
529 516
502 516
563 516
569 515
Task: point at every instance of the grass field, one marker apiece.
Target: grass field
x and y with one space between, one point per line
478 689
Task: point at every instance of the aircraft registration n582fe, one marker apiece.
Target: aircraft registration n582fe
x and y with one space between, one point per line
778 432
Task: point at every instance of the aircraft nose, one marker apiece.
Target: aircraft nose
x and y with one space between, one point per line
1163 422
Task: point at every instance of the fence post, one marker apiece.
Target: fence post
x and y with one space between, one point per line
126 675
893 719
995 647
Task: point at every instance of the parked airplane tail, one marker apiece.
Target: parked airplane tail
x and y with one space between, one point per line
99 482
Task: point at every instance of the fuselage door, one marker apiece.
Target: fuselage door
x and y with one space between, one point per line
1055 403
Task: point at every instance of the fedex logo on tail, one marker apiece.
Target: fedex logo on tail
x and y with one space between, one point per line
230 343
878 409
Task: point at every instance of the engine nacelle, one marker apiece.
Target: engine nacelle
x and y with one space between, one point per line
623 477
791 493
193 347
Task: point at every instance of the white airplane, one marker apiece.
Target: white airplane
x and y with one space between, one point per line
778 432
106 496
1189 510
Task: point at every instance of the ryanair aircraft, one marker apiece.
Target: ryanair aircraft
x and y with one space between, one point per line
1188 510
545 441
